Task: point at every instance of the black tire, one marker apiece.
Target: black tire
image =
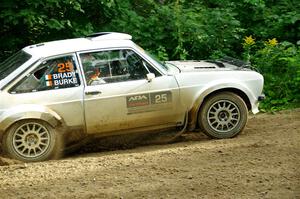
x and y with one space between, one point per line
223 115
32 141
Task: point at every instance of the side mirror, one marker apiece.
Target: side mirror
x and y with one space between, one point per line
150 77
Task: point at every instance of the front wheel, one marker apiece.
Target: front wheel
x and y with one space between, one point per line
223 115
32 141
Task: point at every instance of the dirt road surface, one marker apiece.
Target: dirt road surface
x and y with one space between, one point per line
262 162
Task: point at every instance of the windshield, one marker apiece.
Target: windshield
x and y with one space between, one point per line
169 67
154 58
12 63
162 64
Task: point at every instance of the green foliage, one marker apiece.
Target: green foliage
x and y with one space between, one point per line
280 65
33 21
178 29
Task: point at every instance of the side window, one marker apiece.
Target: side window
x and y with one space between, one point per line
51 74
114 66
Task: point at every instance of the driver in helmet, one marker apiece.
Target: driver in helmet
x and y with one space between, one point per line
92 73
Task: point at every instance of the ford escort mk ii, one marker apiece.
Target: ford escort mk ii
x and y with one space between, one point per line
57 93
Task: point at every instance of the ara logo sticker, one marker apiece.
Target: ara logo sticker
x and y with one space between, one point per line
149 99
138 100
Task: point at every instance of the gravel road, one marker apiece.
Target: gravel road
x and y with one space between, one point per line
262 162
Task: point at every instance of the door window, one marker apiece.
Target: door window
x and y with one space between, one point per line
55 73
114 66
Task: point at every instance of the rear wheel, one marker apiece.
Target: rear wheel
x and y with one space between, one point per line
223 115
32 141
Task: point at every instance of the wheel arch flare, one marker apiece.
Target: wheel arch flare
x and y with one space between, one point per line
28 112
243 92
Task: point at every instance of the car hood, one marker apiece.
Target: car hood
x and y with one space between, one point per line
193 66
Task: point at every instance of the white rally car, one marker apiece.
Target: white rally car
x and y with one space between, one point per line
57 93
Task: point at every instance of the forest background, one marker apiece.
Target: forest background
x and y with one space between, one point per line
265 33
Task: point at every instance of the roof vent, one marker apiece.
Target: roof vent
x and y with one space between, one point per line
109 36
36 45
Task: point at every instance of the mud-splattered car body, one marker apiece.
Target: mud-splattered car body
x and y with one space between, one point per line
105 85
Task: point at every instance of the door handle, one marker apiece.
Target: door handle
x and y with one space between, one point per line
92 92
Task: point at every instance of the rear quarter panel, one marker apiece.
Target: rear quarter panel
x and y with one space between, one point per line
62 105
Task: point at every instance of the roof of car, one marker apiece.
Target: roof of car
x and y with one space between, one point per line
94 41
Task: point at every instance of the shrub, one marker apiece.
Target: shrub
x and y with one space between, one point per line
280 65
